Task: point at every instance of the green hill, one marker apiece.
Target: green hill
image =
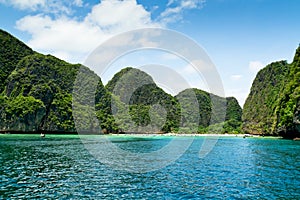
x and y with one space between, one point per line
273 105
142 106
214 114
191 111
37 90
11 52
36 94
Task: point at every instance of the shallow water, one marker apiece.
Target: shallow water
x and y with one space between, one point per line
59 167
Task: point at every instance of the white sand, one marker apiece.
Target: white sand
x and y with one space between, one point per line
184 135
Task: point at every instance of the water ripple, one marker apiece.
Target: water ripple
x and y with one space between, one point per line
60 168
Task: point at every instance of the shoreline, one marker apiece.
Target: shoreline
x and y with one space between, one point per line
191 135
151 135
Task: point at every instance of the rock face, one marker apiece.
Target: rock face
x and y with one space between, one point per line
272 107
288 109
37 90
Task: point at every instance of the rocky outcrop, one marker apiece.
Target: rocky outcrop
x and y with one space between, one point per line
37 92
214 113
272 107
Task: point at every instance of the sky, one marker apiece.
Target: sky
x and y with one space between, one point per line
239 36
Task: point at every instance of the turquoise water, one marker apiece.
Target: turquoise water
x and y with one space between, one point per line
59 167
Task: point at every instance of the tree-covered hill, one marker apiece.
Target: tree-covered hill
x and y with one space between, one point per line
191 111
141 104
37 93
287 111
37 90
273 105
214 114
11 52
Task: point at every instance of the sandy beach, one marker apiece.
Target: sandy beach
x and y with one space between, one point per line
184 135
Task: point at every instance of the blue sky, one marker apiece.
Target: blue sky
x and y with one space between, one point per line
240 36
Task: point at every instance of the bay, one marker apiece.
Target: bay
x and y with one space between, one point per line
60 167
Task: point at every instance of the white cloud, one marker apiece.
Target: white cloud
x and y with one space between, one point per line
65 38
176 7
56 7
116 15
25 4
236 77
170 2
255 66
78 3
73 39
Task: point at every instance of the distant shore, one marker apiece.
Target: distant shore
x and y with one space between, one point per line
146 134
192 135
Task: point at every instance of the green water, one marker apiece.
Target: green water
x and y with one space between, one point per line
59 167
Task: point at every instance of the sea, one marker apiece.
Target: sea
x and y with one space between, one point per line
66 167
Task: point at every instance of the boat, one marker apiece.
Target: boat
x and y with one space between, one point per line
247 135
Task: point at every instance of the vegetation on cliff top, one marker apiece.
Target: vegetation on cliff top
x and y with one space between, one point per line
143 102
273 105
37 90
11 52
213 115
139 100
